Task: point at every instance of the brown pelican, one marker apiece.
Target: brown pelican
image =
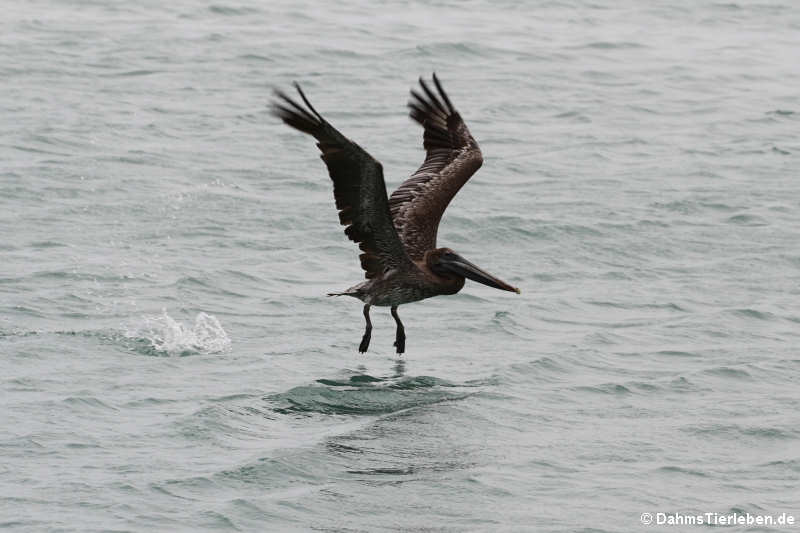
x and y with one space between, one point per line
397 234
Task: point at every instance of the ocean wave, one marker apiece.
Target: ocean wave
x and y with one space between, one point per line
365 395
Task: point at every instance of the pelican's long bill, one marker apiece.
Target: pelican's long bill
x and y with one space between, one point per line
458 265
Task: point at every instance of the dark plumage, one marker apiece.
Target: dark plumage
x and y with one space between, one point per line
397 234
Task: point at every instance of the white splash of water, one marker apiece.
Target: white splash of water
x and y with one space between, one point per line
165 334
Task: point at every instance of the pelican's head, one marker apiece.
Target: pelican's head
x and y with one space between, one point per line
445 262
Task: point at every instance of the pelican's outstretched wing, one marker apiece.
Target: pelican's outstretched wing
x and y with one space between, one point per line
452 157
358 187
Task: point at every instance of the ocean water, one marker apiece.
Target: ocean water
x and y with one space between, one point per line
168 359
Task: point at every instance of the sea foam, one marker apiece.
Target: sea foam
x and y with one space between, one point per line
169 336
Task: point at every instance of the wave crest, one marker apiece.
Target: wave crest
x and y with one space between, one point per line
165 335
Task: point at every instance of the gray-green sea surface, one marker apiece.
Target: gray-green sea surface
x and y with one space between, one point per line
169 360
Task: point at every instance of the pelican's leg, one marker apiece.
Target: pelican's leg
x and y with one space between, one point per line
367 332
400 338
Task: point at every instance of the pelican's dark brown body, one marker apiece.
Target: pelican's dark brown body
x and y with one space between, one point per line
397 234
397 286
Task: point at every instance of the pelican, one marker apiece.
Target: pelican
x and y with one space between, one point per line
397 233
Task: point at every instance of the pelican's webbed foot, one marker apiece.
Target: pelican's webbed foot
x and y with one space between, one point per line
362 348
400 342
400 337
